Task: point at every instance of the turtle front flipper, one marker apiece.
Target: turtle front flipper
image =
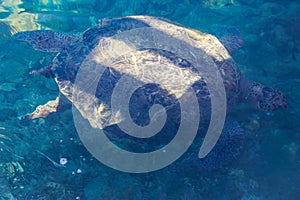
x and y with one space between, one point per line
42 111
232 42
46 40
230 37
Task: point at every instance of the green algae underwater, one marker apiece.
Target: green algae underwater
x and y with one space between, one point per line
45 158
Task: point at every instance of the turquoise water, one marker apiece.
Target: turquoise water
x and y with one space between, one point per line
269 166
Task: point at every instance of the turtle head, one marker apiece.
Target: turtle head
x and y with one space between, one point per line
271 99
263 97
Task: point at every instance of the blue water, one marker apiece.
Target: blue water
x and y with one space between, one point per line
268 167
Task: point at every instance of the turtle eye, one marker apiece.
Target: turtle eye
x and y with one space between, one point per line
268 93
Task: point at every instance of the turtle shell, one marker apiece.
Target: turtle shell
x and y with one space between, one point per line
156 55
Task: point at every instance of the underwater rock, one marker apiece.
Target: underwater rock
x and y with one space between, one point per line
215 4
8 171
103 5
45 189
239 181
252 124
56 22
12 71
5 193
7 113
291 150
252 3
7 87
5 32
252 39
114 186
51 85
22 21
160 2
270 9
21 105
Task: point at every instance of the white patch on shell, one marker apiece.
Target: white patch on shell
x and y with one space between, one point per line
143 65
209 43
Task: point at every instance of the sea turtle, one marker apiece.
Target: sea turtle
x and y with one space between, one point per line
142 62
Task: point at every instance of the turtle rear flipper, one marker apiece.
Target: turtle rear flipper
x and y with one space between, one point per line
42 111
46 40
226 150
47 72
228 147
